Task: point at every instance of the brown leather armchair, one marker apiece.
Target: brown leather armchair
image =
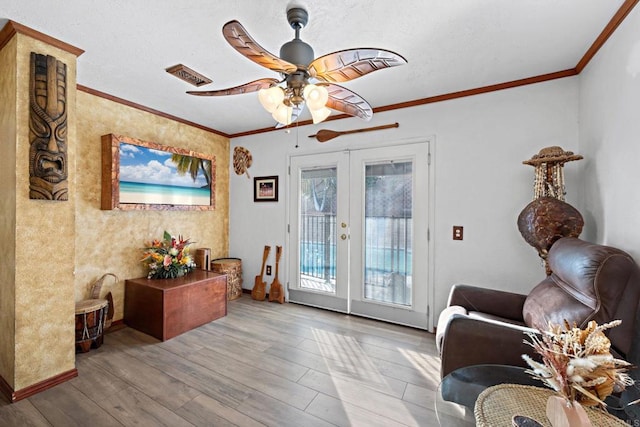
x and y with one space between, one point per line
589 282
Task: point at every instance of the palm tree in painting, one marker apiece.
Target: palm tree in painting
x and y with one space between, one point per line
192 165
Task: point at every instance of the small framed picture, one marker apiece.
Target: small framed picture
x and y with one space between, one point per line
265 189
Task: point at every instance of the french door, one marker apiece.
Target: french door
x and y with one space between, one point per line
359 232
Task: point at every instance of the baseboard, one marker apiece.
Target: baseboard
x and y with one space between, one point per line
116 325
15 396
119 322
5 388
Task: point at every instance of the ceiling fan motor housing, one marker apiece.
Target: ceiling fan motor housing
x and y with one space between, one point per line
296 51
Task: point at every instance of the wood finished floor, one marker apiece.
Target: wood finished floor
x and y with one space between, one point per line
264 364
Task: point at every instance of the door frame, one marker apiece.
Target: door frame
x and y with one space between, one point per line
339 300
431 140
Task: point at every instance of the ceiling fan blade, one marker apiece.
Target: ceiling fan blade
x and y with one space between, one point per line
253 86
348 102
241 41
350 64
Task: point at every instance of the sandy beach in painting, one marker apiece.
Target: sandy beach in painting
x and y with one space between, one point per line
131 192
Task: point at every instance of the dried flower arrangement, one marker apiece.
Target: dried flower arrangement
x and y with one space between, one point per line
577 363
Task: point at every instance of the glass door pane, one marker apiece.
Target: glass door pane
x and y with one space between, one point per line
318 234
388 230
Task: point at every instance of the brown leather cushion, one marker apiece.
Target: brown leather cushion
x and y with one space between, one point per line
549 303
587 283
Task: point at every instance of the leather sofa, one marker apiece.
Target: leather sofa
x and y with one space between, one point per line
588 282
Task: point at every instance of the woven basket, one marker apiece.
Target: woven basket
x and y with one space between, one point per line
94 293
497 405
232 267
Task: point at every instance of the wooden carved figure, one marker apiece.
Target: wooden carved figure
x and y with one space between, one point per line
259 291
48 129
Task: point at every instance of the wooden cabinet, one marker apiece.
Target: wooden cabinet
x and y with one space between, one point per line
166 308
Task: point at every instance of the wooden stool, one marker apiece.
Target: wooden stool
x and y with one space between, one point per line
91 315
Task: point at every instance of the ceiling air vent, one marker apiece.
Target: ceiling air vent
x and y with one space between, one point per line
188 75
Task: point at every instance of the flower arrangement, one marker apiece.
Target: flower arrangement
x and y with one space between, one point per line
577 363
168 258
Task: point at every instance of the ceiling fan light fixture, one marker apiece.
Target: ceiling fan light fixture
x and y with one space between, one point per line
271 98
282 114
285 99
315 96
320 114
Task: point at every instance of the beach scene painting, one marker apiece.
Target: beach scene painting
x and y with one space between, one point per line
153 176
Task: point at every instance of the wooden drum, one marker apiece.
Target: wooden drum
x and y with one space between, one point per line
91 315
232 267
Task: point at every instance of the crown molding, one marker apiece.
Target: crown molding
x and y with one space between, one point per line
12 28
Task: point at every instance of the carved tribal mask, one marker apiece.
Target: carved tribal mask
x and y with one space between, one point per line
48 129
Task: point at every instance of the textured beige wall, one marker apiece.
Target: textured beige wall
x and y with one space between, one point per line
7 208
54 251
45 244
111 241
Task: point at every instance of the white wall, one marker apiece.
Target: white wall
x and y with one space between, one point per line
610 139
480 181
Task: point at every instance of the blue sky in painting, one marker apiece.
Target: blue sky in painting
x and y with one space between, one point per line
146 165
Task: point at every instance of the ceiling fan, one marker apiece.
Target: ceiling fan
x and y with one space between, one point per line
305 80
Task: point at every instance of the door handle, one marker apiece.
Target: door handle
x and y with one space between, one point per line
343 237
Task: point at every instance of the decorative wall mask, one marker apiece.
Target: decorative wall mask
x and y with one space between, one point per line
48 129
548 217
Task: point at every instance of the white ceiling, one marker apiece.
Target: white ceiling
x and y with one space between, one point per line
450 45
